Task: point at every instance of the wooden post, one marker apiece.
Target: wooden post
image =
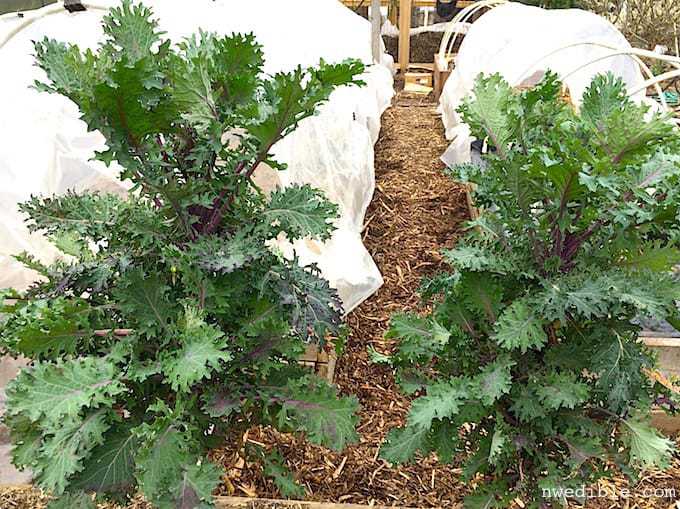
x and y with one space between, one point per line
404 34
376 21
392 10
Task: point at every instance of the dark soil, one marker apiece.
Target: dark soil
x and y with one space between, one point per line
424 46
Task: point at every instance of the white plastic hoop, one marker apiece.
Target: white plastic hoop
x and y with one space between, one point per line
634 53
453 28
43 13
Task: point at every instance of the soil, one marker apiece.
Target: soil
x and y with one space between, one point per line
415 213
424 46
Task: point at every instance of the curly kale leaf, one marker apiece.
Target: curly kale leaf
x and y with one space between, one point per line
52 391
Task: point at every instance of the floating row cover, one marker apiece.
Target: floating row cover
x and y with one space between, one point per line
518 40
46 149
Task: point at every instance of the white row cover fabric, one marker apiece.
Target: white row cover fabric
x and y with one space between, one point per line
518 40
46 149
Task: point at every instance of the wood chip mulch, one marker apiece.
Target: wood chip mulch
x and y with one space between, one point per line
415 213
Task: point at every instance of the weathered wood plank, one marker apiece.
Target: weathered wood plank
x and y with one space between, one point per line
405 9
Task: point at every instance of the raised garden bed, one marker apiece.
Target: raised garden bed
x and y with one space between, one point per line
425 42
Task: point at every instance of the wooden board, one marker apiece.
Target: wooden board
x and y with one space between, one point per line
420 78
405 7
442 71
668 350
321 361
669 425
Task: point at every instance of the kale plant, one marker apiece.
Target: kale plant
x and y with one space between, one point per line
175 322
529 368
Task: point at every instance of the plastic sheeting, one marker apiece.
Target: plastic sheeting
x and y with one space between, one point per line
516 41
45 148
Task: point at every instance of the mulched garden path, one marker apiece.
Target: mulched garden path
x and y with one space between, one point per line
415 213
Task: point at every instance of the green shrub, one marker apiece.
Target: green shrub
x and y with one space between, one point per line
173 325
530 367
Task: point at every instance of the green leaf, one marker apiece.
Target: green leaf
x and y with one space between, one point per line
217 76
49 329
110 467
479 259
527 406
301 211
122 100
290 97
144 300
652 257
193 90
562 390
648 448
519 328
602 98
27 440
492 496
482 293
499 441
618 361
161 460
314 406
582 449
54 391
619 125
66 68
377 357
419 337
444 440
494 381
132 30
224 256
202 352
442 400
197 484
403 443
315 308
275 467
488 114
589 298
83 216
67 448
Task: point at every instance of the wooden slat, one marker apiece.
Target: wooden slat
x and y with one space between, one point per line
667 424
405 9
425 65
654 341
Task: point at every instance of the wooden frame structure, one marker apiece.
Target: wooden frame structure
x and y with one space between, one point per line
405 9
